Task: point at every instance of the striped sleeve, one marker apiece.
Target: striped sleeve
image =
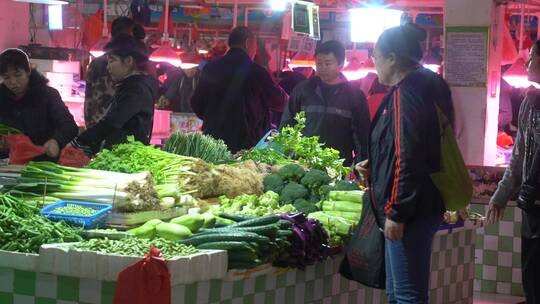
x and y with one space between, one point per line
408 155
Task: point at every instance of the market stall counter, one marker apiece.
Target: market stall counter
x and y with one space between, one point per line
29 278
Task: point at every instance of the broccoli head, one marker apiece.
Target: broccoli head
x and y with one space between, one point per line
291 172
293 191
315 178
304 206
273 182
324 190
344 185
314 198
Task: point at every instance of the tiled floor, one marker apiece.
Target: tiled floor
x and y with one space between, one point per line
487 298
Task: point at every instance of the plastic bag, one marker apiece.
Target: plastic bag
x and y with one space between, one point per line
453 181
21 149
73 157
364 258
146 282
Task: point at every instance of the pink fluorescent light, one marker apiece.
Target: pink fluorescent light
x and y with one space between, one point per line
165 53
516 75
368 23
97 49
433 67
187 65
520 82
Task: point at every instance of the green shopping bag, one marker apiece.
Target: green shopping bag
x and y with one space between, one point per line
453 181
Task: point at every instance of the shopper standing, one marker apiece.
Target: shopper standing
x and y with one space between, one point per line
235 96
99 84
336 111
517 173
404 152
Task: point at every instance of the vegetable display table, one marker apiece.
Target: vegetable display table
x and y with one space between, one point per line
21 281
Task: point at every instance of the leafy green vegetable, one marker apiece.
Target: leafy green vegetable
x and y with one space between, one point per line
266 155
200 146
308 150
291 145
167 169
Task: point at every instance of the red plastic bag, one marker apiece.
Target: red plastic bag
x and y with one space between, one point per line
146 282
73 157
21 149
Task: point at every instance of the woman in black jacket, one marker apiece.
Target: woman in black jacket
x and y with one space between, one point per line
27 103
132 110
404 152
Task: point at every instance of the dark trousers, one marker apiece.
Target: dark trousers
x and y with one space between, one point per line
530 269
408 262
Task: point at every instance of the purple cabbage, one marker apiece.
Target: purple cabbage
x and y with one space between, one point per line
309 243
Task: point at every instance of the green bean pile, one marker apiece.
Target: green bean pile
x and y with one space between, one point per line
136 247
75 210
23 229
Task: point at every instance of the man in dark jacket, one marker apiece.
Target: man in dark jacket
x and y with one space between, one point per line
27 103
235 96
336 111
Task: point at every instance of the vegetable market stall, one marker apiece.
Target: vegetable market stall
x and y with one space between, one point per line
22 281
285 204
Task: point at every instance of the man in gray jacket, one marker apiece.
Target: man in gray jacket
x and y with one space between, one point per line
526 144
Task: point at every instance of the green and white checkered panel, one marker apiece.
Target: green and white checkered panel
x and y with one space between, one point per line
498 254
23 287
451 282
452 267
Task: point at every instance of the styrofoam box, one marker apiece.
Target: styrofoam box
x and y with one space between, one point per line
59 66
19 261
59 259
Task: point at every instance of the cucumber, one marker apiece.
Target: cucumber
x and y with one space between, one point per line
235 217
284 224
242 256
226 246
266 230
223 222
226 236
261 221
284 233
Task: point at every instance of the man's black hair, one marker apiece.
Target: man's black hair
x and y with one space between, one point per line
239 36
332 47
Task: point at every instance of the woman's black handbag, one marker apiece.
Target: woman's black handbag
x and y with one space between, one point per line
364 258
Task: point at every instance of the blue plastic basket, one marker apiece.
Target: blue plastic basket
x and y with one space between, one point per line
87 221
263 143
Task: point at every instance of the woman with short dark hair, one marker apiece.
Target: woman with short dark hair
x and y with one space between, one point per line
404 152
132 109
27 103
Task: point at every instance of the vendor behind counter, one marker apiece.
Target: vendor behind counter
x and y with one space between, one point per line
27 103
132 109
